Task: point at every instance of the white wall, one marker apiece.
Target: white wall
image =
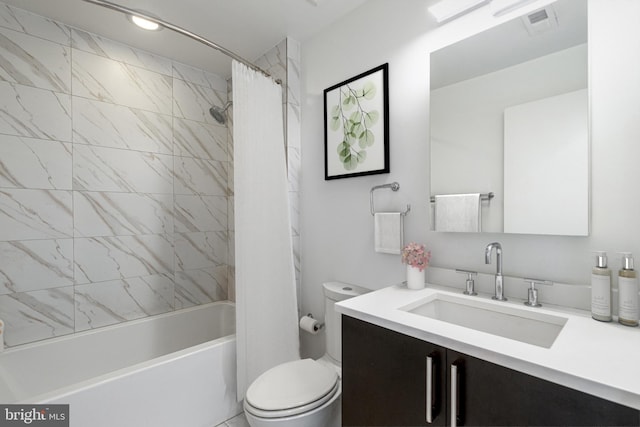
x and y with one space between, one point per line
336 226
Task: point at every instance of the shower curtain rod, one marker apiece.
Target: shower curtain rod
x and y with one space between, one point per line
175 28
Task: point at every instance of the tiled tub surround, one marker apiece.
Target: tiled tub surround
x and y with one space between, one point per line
113 182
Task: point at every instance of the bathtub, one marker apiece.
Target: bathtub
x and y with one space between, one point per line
175 369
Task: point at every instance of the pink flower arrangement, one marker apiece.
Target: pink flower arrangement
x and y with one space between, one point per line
414 255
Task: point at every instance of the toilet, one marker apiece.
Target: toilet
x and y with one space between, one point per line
306 392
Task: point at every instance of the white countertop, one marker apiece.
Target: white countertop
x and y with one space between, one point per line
599 358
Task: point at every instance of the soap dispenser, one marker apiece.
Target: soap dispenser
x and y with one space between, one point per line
601 289
627 292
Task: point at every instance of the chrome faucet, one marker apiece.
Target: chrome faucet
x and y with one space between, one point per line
499 294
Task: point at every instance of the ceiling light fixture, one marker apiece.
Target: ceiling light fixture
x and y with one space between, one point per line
502 7
145 24
446 10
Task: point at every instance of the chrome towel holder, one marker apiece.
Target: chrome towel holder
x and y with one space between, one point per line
394 186
483 197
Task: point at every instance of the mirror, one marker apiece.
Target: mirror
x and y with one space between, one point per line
509 116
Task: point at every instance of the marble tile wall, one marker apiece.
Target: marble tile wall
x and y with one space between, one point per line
294 161
113 182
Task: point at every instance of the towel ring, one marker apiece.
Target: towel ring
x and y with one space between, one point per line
394 186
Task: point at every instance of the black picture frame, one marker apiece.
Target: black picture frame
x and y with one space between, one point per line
356 125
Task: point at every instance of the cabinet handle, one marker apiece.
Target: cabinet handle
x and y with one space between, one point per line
455 394
430 388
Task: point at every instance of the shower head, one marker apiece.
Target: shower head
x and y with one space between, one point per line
218 113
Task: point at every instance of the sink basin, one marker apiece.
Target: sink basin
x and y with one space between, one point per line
495 318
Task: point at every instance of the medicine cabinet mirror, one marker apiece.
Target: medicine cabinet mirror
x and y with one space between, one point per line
509 116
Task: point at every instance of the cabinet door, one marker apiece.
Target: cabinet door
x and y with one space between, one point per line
384 377
492 395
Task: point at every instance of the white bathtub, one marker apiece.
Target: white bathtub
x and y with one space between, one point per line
175 369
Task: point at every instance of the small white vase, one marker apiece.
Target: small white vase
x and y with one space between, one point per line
415 278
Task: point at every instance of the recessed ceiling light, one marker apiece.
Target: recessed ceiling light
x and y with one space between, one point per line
144 23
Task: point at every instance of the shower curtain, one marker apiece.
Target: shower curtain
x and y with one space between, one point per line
266 307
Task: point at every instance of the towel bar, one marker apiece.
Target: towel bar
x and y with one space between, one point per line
483 196
394 186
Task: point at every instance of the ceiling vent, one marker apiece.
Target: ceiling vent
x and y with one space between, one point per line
541 21
538 16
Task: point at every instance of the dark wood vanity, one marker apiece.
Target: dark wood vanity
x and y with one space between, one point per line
385 382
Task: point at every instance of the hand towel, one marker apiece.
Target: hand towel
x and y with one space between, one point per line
388 232
458 212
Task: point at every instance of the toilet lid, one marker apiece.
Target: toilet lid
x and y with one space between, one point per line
291 385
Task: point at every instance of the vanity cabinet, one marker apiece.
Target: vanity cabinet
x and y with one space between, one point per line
384 376
388 378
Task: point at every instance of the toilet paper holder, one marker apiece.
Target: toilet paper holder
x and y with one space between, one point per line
309 324
320 325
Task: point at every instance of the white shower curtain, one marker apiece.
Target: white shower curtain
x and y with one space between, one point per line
266 308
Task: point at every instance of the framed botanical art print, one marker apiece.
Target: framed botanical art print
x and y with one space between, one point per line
356 125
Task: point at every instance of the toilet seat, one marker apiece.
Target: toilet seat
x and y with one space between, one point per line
291 388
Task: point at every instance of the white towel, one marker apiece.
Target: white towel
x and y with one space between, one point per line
388 232
458 212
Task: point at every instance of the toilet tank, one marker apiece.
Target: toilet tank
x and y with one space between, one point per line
336 292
